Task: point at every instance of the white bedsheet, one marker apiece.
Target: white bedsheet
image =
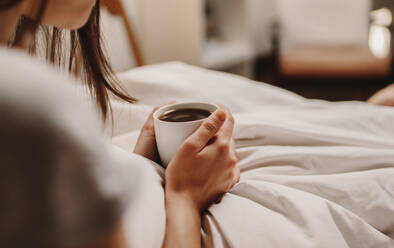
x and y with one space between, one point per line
314 173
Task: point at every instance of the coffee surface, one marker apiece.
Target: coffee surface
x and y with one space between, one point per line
184 115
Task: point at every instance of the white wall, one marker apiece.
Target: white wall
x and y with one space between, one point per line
178 37
324 22
116 42
262 14
170 30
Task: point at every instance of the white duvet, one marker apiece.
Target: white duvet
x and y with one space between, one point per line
314 173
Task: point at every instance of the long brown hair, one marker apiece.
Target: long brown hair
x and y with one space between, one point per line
86 56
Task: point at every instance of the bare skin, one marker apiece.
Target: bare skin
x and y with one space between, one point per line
69 18
9 20
384 97
71 14
201 172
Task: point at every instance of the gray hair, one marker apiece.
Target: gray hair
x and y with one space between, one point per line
49 192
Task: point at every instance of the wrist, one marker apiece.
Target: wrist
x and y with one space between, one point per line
181 199
183 221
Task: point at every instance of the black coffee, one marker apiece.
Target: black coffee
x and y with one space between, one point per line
184 115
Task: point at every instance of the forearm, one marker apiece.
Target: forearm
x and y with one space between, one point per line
183 223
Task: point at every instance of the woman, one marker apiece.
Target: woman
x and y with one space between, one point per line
49 152
189 189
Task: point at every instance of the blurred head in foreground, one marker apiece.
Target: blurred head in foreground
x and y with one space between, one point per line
50 156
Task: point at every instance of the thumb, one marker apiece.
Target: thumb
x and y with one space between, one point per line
207 130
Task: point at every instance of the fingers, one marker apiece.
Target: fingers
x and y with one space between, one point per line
208 129
235 179
224 142
226 132
237 176
223 146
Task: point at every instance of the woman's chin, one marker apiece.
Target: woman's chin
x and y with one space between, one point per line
71 19
72 25
76 25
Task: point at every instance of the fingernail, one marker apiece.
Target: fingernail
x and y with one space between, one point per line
220 114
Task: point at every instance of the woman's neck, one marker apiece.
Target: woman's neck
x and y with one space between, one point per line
9 20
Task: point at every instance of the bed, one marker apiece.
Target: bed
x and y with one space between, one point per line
313 173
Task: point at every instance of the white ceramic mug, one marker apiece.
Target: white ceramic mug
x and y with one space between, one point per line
171 135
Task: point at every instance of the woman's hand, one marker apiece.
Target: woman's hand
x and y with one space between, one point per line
204 167
146 143
200 173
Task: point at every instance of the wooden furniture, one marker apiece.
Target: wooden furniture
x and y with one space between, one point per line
332 38
115 7
342 61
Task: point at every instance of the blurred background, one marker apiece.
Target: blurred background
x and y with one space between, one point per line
328 49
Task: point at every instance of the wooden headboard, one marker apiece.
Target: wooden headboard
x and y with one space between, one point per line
115 7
